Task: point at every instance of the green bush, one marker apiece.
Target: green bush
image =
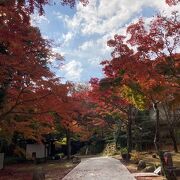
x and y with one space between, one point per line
124 150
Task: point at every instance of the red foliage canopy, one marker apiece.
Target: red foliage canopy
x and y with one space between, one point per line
148 60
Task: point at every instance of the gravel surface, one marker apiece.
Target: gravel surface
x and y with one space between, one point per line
99 168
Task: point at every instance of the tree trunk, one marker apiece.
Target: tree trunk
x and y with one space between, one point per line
171 119
129 135
157 144
68 136
172 135
117 137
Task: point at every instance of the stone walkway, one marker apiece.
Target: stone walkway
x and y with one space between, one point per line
99 168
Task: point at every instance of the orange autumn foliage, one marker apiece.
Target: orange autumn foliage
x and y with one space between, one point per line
29 91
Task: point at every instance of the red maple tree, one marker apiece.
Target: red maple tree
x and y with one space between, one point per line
147 61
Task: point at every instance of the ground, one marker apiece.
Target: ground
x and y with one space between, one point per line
54 170
147 156
92 165
133 169
99 168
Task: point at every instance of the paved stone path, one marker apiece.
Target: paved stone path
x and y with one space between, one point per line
99 168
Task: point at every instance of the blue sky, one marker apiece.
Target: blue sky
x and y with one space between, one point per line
80 34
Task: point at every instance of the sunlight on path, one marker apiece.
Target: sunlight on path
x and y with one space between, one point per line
99 168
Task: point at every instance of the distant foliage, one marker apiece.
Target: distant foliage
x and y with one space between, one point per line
172 2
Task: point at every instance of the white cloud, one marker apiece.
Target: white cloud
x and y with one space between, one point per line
67 38
72 70
86 45
36 19
104 16
59 50
94 61
46 37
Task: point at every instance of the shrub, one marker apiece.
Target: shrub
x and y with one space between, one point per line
136 157
124 150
